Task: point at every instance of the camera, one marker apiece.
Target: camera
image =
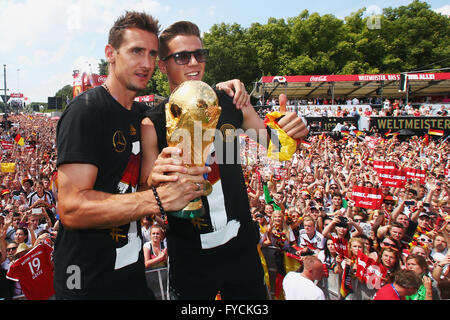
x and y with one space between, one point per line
343 219
343 222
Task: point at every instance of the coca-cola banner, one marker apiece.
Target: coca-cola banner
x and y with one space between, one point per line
392 177
7 145
357 77
365 197
147 98
416 174
369 271
378 165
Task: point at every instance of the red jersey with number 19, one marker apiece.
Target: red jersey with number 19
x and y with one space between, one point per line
34 271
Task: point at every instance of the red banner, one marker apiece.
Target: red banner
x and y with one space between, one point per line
416 174
7 145
378 165
372 142
365 197
356 77
392 177
29 148
369 271
148 98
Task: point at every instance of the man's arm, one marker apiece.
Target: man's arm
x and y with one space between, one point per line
289 123
82 207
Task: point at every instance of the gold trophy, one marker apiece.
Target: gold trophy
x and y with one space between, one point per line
192 114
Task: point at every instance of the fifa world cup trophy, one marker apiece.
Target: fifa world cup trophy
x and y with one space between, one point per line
192 114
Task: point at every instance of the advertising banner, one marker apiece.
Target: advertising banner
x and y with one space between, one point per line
369 198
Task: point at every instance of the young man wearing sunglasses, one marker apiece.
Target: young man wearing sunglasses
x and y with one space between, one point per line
218 251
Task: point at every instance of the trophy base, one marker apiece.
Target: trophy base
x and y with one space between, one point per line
193 210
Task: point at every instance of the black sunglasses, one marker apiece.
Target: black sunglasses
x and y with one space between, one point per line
389 245
184 57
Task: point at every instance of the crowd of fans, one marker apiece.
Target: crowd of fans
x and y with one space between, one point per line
303 206
28 213
361 108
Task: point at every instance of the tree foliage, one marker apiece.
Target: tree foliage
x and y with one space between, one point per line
401 39
405 38
65 93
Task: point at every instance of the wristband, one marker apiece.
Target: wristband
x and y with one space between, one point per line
158 201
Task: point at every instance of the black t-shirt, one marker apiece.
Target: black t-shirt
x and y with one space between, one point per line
227 225
101 263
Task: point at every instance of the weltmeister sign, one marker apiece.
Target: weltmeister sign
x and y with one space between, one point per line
419 125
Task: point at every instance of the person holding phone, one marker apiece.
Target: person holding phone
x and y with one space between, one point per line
34 219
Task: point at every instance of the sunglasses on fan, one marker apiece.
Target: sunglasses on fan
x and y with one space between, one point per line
183 57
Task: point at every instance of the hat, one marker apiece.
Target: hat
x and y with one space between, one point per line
389 199
27 180
422 214
21 248
5 191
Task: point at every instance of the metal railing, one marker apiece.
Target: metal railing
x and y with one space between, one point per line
157 281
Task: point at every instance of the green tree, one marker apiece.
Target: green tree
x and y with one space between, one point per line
231 55
65 93
415 36
407 38
158 84
103 67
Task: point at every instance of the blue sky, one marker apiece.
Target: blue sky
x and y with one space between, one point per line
42 41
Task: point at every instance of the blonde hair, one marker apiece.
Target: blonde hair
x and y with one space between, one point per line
356 239
285 226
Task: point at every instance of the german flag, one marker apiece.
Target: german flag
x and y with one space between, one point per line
435 132
391 134
346 283
281 146
19 140
306 144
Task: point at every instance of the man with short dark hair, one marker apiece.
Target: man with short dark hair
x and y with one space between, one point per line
406 283
98 250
